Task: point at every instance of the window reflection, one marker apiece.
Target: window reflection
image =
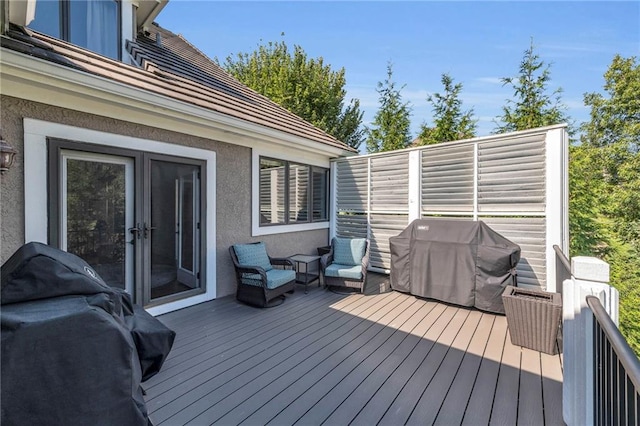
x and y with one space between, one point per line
290 191
92 24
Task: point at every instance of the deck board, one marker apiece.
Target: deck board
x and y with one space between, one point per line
345 411
479 407
432 399
406 400
323 367
505 403
302 398
551 388
224 385
328 358
462 386
531 410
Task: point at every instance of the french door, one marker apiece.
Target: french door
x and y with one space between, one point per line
134 217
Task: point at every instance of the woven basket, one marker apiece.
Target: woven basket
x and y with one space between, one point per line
533 318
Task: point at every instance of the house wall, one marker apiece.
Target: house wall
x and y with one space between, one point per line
233 185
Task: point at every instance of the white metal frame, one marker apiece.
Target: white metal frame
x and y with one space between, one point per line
556 186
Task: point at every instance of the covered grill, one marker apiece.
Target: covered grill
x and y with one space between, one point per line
74 350
457 261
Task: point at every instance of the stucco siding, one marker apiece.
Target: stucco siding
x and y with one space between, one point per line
233 184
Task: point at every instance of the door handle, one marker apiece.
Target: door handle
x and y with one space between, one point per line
147 230
135 231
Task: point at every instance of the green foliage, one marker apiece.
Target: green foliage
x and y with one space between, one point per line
305 86
450 122
531 106
605 187
391 125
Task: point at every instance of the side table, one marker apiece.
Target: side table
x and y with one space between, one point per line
306 277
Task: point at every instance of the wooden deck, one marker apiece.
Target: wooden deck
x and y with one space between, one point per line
327 358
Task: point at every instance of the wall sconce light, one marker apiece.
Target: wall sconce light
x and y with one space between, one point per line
7 155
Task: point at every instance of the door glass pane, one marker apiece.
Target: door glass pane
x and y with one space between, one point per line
174 228
95 217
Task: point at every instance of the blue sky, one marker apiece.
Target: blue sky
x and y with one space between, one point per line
477 43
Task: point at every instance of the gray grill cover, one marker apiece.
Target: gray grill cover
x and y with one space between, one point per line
74 350
462 262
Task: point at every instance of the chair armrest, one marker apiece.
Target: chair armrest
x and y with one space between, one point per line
365 261
253 270
281 261
326 260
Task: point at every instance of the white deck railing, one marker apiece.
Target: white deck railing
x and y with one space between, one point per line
583 342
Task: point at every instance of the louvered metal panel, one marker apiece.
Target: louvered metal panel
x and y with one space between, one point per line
500 180
384 226
447 178
352 185
511 174
390 183
351 225
530 234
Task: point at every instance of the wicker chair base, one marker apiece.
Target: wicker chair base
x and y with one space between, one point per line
343 282
264 298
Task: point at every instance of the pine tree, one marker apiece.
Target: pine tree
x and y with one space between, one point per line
531 106
450 123
391 126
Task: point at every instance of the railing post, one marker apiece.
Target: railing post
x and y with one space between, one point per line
590 277
414 185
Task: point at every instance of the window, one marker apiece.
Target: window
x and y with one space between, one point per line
92 24
292 193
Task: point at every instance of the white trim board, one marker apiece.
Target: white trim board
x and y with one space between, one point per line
35 187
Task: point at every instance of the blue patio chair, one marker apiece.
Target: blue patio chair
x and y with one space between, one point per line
346 263
259 283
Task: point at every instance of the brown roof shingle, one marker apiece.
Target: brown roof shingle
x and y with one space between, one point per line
171 66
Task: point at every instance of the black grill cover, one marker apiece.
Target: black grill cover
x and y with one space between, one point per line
74 350
457 261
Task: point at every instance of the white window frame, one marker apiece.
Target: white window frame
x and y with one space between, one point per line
36 133
256 229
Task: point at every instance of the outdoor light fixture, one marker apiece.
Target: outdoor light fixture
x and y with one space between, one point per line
7 155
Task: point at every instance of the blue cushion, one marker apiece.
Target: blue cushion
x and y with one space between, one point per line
349 251
253 255
344 271
275 278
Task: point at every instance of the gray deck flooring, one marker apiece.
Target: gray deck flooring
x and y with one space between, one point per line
334 359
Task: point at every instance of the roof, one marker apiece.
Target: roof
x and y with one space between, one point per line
176 69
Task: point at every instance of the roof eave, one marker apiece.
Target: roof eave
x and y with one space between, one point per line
42 81
147 11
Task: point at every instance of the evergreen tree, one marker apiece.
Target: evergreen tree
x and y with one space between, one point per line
532 106
604 202
450 123
305 86
391 126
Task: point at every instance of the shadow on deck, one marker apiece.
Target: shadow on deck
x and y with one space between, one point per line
327 358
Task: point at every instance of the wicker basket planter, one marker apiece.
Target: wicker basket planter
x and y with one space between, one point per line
533 318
